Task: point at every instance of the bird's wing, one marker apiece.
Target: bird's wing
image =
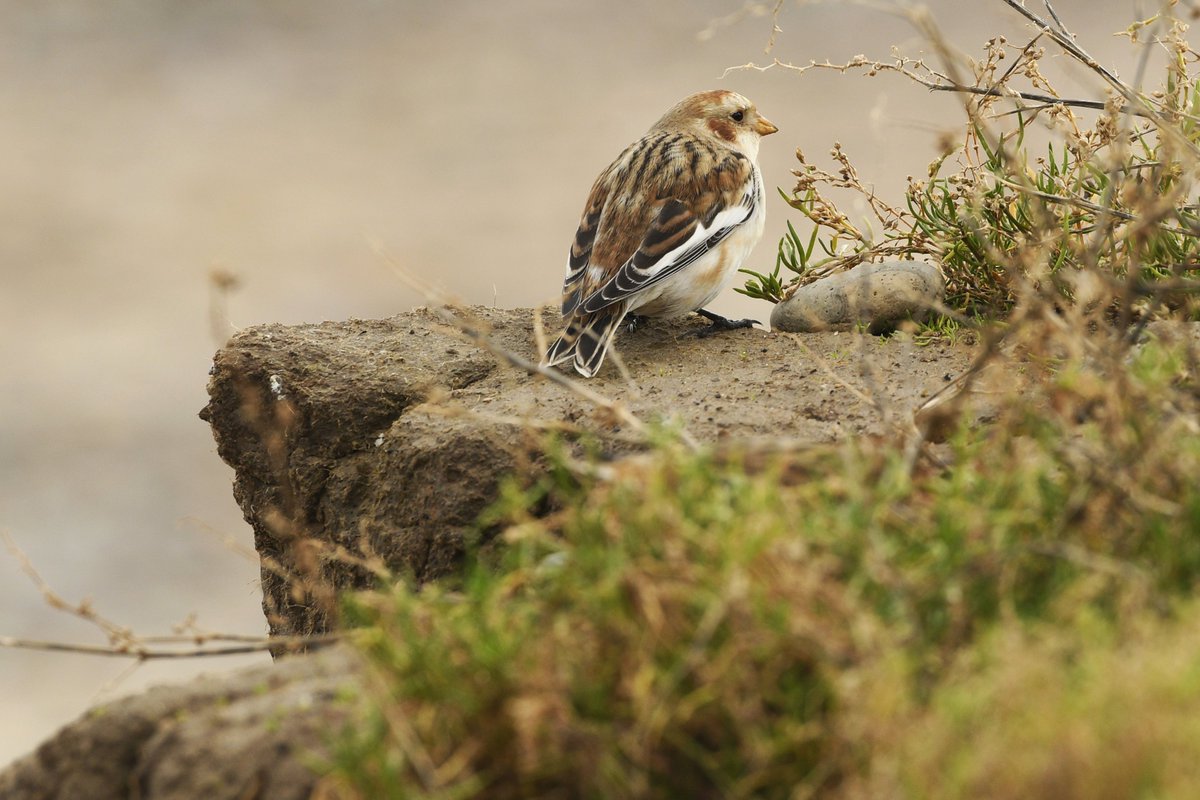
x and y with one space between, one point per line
581 248
677 237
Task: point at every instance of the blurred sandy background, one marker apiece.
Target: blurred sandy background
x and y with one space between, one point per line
142 143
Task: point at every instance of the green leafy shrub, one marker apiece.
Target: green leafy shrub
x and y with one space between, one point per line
1001 218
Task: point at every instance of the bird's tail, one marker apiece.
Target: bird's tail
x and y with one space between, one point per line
585 339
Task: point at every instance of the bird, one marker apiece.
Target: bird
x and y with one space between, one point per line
665 227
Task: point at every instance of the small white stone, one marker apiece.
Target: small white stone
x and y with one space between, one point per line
877 295
276 386
552 563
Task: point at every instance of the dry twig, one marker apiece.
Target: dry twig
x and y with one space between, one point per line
123 642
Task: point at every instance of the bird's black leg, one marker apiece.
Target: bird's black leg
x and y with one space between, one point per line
719 323
633 322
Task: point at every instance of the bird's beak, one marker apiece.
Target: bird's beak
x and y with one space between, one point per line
764 127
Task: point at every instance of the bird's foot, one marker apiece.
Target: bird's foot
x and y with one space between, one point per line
634 321
718 324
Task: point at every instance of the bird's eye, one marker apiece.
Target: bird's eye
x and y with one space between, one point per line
738 115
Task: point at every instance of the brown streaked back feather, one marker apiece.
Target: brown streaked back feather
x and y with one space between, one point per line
686 168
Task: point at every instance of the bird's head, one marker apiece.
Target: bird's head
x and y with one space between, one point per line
722 115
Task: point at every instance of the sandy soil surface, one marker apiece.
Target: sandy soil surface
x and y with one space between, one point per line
147 143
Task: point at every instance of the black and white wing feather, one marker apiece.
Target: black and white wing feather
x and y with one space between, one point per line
676 239
580 258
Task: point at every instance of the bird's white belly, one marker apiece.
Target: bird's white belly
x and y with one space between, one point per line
697 284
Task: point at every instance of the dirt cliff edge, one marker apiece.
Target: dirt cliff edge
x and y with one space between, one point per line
371 446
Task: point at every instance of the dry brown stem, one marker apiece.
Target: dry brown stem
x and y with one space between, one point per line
123 642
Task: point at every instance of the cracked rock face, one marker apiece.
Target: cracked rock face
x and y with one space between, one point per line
373 443
338 469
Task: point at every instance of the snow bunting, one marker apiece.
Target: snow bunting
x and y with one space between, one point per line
666 226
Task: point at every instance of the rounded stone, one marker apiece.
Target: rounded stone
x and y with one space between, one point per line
879 296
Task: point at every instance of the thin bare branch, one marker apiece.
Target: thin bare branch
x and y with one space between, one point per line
188 642
936 82
1136 100
136 648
